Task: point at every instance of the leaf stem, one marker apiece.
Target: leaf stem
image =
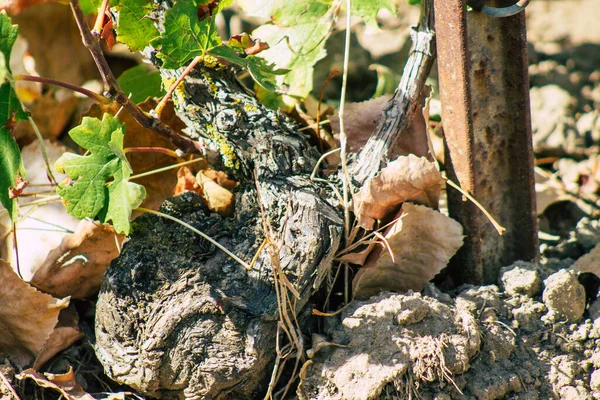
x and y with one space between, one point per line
499 228
205 236
114 92
158 109
159 170
162 150
100 18
50 81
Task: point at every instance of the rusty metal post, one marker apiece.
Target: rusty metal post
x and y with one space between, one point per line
484 89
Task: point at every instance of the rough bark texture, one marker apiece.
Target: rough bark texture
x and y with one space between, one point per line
177 318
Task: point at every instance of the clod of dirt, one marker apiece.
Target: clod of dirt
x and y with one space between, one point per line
564 296
528 315
415 309
380 348
520 278
587 233
554 129
595 381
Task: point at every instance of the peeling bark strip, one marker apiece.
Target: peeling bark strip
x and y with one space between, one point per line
398 113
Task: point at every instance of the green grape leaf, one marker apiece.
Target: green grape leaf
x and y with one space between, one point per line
3 68
8 35
367 9
134 28
141 82
90 194
263 73
185 35
287 12
296 48
11 165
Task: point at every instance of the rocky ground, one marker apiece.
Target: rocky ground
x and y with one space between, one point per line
536 333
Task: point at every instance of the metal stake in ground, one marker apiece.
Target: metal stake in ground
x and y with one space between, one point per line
484 89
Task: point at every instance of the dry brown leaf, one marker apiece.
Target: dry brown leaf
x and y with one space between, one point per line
221 178
55 43
406 178
64 335
217 197
186 181
51 113
43 226
214 191
64 383
76 267
358 257
422 240
360 120
27 317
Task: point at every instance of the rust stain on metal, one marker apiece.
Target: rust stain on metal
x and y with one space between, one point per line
484 89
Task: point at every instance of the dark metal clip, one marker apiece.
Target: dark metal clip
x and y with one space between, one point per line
498 11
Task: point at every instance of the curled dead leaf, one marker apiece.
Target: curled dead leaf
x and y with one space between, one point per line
65 333
76 267
422 242
27 317
211 185
64 383
406 178
361 119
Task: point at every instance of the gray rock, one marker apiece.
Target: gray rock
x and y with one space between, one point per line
564 295
520 278
554 129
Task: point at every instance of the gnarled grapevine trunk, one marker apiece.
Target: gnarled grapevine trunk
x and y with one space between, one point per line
178 318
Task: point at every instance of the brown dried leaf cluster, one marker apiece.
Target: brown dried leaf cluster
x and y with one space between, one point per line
63 383
27 317
76 267
406 178
417 245
421 242
214 186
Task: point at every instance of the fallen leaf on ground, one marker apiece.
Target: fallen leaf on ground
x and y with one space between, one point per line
76 267
221 178
217 197
27 317
406 178
186 180
422 242
548 190
43 226
64 335
64 383
56 46
358 257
